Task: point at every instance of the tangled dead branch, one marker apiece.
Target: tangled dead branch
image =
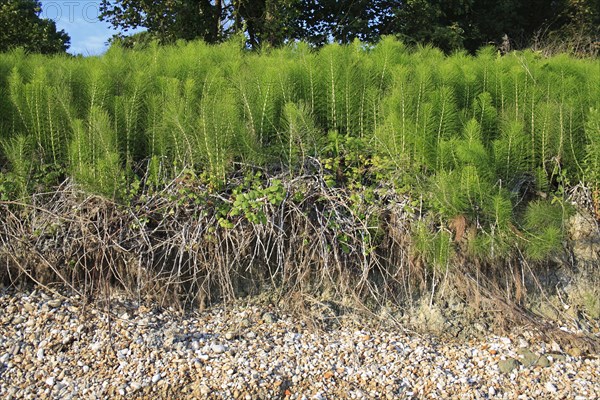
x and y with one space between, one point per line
184 245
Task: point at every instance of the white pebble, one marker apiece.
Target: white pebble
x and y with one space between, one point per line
96 346
135 387
229 335
204 390
156 378
550 387
218 348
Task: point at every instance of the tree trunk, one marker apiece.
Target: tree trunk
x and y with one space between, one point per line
217 29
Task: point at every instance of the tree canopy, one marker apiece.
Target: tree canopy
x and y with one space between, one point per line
450 25
22 26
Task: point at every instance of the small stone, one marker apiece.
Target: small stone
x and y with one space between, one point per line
558 357
269 318
508 365
50 381
230 335
134 387
529 358
5 357
480 327
250 335
28 307
574 352
156 378
550 387
54 303
40 354
244 323
218 348
318 396
543 362
204 390
96 346
555 347
505 340
18 320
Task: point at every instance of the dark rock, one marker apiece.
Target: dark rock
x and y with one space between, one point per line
269 318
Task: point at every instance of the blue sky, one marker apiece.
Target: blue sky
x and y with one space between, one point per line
79 18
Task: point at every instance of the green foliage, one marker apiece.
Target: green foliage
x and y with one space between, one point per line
40 113
476 137
265 22
434 248
545 231
592 159
93 154
302 135
21 26
17 151
249 200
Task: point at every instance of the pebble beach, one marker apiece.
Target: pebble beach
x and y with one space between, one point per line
55 347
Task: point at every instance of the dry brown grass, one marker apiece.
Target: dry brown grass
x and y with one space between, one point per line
311 249
573 41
